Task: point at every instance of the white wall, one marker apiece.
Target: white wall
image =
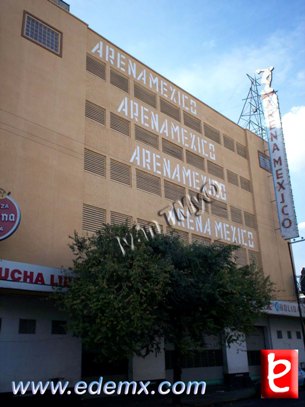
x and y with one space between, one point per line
152 367
284 324
38 356
236 359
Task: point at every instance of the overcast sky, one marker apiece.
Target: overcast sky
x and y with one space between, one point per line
208 46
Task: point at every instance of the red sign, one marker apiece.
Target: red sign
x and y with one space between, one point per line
9 217
279 374
24 276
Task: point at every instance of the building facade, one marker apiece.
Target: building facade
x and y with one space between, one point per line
83 125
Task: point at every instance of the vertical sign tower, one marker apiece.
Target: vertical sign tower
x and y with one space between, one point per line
278 157
251 116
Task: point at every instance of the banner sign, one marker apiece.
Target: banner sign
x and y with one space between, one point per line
287 308
278 158
24 276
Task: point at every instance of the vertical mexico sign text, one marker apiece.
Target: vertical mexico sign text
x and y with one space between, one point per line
279 164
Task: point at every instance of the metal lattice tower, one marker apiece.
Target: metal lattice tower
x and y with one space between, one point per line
252 115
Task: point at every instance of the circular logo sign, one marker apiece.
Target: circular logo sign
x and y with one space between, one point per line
9 217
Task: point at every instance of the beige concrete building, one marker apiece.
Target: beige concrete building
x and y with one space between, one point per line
91 135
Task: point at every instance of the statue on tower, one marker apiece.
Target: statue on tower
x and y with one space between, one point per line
266 78
3 193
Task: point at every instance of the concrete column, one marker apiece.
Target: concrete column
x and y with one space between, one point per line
236 368
152 367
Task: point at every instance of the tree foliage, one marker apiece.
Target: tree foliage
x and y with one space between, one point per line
113 300
209 293
122 304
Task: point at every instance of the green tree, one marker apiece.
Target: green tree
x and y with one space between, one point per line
209 294
126 295
114 299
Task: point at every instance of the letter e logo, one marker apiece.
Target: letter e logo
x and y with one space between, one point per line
279 373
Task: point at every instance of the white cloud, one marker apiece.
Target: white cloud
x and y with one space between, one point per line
301 226
294 132
221 80
208 44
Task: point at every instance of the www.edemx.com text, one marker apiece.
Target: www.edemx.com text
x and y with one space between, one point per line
108 387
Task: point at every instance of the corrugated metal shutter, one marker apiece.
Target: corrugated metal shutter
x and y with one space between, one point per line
245 184
232 178
219 209
250 220
119 124
201 239
195 160
145 95
146 137
228 142
173 191
117 218
172 149
148 182
95 162
95 112
120 172
143 223
119 81
93 217
241 150
236 215
211 133
169 109
216 170
192 122
184 236
96 67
